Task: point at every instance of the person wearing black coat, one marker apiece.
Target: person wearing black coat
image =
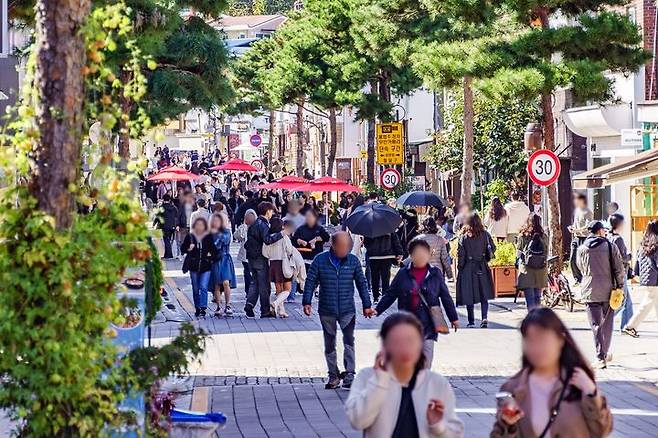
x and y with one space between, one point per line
419 277
250 203
310 237
381 252
167 221
200 252
474 280
258 234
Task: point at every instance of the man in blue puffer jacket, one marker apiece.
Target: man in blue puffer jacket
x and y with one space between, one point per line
336 271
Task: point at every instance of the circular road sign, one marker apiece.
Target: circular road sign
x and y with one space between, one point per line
544 167
255 140
390 178
258 164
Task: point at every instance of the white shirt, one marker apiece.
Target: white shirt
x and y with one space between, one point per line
517 213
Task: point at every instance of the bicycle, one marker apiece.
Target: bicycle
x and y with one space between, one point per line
558 289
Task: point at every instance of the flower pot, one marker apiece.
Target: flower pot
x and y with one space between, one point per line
504 278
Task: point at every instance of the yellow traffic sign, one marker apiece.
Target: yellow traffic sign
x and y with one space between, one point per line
390 143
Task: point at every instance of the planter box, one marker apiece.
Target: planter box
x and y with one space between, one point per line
504 278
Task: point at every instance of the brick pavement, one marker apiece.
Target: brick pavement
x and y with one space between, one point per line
267 375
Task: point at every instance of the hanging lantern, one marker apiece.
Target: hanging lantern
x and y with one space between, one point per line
532 138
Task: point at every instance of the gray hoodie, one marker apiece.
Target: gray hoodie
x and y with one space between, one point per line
593 260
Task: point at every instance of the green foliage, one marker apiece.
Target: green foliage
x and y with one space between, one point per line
499 188
154 280
505 255
499 126
260 7
61 374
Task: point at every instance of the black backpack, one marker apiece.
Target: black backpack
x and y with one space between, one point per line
535 253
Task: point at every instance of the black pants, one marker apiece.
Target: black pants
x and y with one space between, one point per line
470 311
247 277
380 273
168 237
575 243
260 286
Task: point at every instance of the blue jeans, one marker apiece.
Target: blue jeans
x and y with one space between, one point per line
626 309
246 272
200 282
532 297
293 290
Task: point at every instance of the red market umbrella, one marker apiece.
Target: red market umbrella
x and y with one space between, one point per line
286 182
173 173
327 184
236 164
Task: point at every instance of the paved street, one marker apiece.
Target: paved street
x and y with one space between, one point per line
267 376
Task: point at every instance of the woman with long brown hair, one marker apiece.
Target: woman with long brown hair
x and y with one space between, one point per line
532 252
474 280
496 220
555 393
647 262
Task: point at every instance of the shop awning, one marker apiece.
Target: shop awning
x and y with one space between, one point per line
638 166
599 120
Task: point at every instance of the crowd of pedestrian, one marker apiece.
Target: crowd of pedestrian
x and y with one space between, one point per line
293 244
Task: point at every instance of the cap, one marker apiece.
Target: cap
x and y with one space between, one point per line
595 226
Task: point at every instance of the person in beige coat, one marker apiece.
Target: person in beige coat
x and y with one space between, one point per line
555 393
398 397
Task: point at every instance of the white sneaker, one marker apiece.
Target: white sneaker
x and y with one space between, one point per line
608 357
600 365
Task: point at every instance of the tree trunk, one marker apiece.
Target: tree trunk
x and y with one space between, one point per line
333 141
467 163
301 141
548 126
370 165
60 90
270 143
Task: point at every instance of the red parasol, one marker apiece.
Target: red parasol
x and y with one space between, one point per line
236 164
173 173
286 182
327 184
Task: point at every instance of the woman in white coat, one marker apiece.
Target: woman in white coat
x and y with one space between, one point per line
397 397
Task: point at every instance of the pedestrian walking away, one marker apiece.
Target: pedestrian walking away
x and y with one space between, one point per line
399 397
617 225
518 214
336 272
532 251
602 268
555 393
223 272
647 269
418 287
240 236
496 220
167 221
199 251
258 234
381 253
582 216
280 253
474 280
439 255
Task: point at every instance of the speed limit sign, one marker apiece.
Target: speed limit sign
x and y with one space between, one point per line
544 167
390 178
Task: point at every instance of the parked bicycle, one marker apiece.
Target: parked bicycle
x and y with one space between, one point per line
558 290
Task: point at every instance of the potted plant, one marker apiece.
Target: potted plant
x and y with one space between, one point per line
503 268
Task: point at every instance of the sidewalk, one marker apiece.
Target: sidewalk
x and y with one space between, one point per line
267 375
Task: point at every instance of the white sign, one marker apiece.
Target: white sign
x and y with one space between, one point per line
544 167
631 137
390 178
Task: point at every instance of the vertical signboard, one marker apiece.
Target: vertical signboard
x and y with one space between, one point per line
390 143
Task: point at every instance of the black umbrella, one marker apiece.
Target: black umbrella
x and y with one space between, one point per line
373 220
420 198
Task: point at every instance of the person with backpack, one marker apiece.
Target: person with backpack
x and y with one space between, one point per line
603 271
532 250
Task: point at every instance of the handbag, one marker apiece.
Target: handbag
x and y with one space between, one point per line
440 324
617 293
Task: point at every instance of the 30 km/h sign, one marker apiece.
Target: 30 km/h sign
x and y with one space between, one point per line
544 167
390 178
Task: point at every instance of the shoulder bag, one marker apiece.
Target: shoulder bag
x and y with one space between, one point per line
440 324
617 293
